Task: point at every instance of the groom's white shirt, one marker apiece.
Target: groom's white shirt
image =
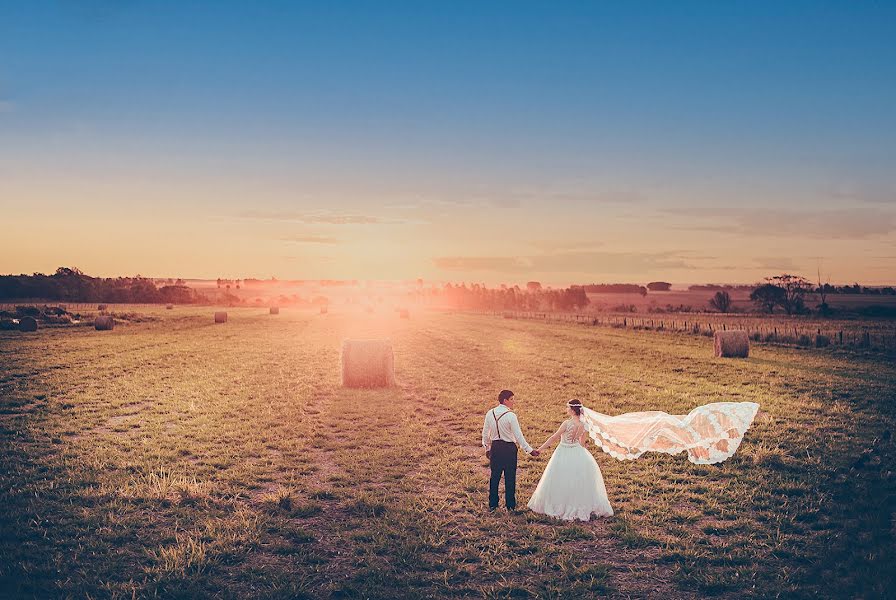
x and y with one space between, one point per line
509 428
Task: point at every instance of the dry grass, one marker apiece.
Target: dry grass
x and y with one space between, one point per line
230 462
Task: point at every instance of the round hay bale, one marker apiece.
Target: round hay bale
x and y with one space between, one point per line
323 310
732 344
275 310
169 306
404 314
367 364
101 307
104 323
27 324
220 317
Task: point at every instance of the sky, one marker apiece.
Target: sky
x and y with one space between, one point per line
565 142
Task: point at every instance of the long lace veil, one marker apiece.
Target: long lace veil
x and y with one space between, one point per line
709 434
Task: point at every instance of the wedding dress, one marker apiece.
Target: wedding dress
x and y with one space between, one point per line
709 434
572 486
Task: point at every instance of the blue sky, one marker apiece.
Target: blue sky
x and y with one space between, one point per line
612 141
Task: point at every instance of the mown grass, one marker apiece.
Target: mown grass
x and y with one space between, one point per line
179 458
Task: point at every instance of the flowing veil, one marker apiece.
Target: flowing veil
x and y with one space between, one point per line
709 434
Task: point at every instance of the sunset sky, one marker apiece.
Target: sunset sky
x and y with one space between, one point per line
464 141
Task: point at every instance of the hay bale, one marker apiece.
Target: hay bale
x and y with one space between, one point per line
220 317
323 310
27 324
367 364
101 307
732 344
169 307
275 310
104 323
404 314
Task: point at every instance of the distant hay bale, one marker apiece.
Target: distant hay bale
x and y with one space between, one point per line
508 315
169 306
27 324
220 317
275 310
104 323
367 364
323 310
404 314
732 344
101 307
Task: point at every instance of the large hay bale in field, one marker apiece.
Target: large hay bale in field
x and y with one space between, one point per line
220 317
169 307
732 344
323 310
367 364
404 314
104 323
275 310
27 324
101 307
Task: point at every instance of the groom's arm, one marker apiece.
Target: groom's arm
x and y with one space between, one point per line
518 434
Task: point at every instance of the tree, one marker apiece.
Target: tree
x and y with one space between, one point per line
767 296
721 301
659 286
533 286
795 289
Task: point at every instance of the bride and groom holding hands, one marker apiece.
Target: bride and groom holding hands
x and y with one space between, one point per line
572 486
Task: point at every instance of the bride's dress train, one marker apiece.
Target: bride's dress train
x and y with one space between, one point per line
572 486
709 434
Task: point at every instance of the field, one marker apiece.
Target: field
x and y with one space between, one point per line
179 458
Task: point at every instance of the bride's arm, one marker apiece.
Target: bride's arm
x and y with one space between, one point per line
553 438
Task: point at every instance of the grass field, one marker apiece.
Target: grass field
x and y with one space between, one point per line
178 458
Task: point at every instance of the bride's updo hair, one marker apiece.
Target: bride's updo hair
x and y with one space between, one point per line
576 406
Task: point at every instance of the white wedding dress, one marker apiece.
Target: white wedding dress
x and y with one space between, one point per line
572 486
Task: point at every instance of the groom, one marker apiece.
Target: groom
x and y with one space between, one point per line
500 436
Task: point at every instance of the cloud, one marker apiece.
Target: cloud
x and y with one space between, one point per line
616 263
310 239
854 223
316 218
865 193
776 263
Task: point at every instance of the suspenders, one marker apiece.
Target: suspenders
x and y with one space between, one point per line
497 418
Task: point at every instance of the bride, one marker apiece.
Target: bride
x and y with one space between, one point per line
572 486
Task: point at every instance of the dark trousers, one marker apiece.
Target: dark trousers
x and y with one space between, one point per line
503 460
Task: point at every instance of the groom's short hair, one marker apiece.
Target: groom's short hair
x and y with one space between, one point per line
504 396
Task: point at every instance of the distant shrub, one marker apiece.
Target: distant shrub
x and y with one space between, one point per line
822 341
804 340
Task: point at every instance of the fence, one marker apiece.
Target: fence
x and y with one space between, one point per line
878 337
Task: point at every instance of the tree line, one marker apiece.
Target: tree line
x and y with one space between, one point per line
71 285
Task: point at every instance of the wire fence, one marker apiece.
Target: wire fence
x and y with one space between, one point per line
870 335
